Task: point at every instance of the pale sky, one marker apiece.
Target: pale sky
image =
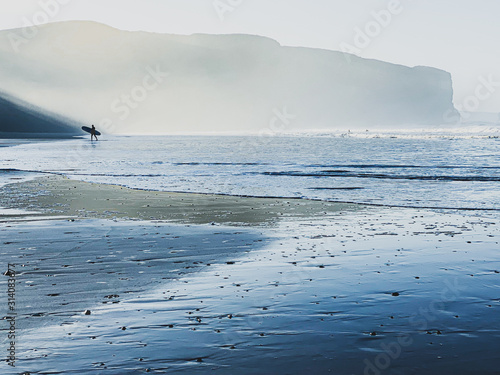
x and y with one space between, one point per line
460 36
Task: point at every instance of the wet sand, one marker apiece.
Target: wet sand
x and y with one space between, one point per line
56 195
195 284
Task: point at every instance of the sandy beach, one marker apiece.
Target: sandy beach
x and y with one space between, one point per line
119 281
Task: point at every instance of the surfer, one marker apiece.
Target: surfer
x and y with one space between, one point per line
92 133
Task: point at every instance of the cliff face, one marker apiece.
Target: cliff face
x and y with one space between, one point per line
20 120
144 82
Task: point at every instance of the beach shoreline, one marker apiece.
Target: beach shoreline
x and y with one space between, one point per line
58 195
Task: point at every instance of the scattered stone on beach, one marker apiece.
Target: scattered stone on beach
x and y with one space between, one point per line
437 332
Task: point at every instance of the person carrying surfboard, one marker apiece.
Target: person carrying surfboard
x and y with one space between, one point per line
92 133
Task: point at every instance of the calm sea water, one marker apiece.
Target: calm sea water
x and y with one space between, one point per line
425 172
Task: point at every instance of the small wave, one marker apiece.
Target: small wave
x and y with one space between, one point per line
14 170
71 173
115 175
336 188
396 166
219 163
383 176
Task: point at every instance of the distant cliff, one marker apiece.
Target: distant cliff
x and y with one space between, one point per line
153 83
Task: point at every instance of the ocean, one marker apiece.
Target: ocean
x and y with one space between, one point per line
423 172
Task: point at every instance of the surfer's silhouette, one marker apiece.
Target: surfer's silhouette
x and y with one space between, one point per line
92 134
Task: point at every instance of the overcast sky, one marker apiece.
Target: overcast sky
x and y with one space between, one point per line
460 36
